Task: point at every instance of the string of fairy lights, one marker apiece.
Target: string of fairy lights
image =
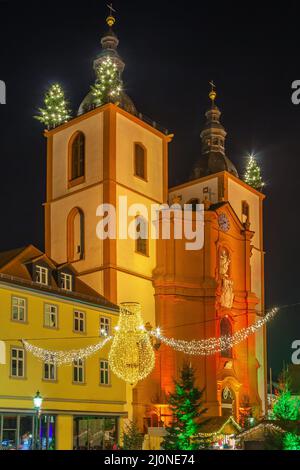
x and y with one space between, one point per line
210 346
131 356
64 357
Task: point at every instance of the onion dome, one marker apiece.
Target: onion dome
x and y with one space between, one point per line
213 136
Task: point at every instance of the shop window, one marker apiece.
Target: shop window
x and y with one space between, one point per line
95 433
17 432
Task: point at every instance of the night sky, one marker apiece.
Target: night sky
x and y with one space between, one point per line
172 50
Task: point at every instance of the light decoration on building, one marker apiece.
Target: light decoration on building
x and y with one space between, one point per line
56 110
64 357
261 426
210 346
108 85
131 356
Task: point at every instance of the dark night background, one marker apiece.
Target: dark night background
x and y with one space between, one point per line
172 50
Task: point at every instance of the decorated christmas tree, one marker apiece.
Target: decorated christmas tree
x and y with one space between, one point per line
132 438
186 407
253 174
108 85
286 407
56 110
286 410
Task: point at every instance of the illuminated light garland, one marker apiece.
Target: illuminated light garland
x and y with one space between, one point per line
131 356
271 426
210 346
64 357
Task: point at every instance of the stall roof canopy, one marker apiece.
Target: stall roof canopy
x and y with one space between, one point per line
220 425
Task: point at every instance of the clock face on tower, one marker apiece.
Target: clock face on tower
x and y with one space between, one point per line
224 223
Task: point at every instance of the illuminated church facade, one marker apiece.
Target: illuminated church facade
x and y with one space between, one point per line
112 151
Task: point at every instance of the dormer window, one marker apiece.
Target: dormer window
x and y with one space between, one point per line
41 275
66 281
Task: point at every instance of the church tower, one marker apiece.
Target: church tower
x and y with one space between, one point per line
112 153
104 154
219 290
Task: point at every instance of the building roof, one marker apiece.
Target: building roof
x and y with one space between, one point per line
259 431
220 425
15 268
7 256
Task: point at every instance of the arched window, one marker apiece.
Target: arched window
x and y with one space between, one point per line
245 211
140 161
75 235
193 203
77 158
142 242
226 330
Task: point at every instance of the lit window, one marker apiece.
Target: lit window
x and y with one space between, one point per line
78 371
104 326
226 330
77 156
245 211
104 373
50 370
79 322
17 363
41 275
66 281
140 161
194 204
18 310
142 246
51 316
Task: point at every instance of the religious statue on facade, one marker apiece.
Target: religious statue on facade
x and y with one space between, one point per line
227 296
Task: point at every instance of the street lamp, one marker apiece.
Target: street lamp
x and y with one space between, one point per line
37 403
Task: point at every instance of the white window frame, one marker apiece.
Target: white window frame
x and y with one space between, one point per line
50 364
50 313
79 365
21 306
80 319
17 359
104 369
105 326
66 281
42 275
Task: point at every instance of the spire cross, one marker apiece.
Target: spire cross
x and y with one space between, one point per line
111 8
213 86
213 93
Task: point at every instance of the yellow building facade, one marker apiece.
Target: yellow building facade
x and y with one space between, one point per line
83 403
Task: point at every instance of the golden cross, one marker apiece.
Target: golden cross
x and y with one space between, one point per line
110 7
